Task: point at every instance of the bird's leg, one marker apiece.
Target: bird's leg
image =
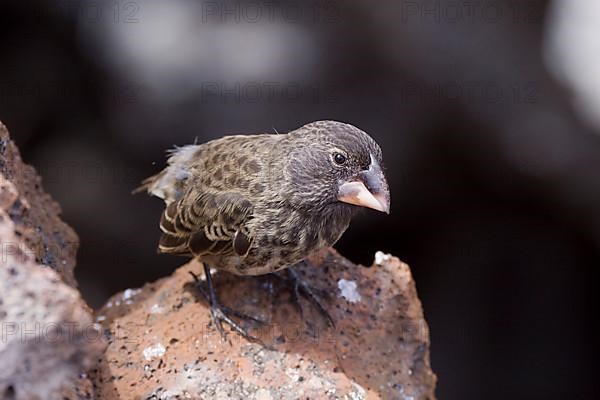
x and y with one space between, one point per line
301 288
226 309
220 313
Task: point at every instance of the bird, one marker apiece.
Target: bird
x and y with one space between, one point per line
258 204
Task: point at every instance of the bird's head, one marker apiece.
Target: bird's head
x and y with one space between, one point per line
336 163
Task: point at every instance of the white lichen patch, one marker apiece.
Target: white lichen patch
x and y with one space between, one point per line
349 290
359 392
128 294
156 309
293 374
381 257
263 394
150 352
110 304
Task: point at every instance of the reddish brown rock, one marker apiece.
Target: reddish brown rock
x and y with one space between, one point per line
35 215
47 334
162 345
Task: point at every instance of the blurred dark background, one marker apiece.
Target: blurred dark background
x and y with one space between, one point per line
486 113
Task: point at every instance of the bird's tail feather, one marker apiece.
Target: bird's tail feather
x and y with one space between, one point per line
168 183
146 185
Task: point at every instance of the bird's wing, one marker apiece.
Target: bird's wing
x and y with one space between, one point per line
209 191
206 223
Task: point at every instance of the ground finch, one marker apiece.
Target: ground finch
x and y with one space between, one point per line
256 204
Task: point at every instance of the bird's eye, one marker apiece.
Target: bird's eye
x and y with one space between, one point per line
339 158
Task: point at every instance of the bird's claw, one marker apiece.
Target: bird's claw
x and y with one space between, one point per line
220 314
301 288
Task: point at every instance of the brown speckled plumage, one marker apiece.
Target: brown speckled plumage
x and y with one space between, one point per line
256 204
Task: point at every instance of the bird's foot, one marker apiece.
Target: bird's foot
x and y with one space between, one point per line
301 288
222 314
219 315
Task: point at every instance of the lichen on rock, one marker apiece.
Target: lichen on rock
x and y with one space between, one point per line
378 349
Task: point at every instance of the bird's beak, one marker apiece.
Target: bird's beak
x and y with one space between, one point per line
367 189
